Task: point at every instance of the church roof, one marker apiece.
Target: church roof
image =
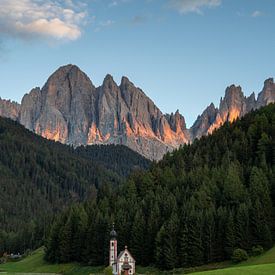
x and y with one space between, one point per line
113 233
122 252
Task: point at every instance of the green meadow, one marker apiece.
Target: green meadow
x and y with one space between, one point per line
35 264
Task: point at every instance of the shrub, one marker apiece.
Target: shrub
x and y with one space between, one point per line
257 250
239 255
108 270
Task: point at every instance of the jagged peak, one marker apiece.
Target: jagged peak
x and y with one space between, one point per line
233 89
211 106
109 82
252 96
67 68
268 82
125 82
70 71
108 79
35 90
8 101
210 109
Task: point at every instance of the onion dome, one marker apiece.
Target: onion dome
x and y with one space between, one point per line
113 233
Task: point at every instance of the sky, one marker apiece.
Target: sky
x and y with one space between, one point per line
181 53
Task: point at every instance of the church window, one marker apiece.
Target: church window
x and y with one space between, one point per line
112 244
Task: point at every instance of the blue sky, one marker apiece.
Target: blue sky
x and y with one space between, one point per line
182 53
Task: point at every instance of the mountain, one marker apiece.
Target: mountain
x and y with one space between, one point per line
232 106
39 177
9 109
71 110
194 207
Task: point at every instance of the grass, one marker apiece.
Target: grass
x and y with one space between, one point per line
261 269
35 264
263 264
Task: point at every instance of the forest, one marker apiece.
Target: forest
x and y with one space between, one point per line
195 206
39 178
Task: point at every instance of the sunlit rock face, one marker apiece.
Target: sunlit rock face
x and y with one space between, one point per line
9 109
267 95
71 110
232 106
63 109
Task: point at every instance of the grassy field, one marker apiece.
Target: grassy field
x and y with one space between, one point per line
34 264
260 265
261 269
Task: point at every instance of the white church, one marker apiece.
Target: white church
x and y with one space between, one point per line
124 263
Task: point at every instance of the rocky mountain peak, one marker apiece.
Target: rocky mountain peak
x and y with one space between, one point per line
9 109
176 121
204 122
125 80
268 83
267 95
233 93
125 83
109 84
68 73
69 109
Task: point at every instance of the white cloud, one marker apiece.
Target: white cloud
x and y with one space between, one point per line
37 18
257 14
187 6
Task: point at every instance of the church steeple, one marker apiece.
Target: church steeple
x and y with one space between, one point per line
113 233
113 247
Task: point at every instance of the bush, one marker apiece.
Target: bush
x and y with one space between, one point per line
239 255
257 250
108 271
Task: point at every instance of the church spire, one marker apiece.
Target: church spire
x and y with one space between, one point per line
113 233
113 248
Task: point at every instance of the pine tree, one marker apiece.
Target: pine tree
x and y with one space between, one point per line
194 223
229 236
242 227
138 235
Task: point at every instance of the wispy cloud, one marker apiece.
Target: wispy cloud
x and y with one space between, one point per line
114 3
195 6
104 24
55 19
257 13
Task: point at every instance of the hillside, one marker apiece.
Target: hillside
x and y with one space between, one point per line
40 177
194 207
117 158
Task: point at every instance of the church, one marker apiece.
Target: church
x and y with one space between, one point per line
124 263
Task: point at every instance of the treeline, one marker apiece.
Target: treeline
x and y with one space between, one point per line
118 158
39 178
194 207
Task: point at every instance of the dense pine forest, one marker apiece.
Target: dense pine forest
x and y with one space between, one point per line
38 178
194 207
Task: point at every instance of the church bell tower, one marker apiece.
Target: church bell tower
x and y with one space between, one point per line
113 247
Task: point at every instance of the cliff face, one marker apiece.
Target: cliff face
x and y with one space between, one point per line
233 105
71 110
9 109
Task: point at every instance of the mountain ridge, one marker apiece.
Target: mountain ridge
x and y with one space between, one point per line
71 110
